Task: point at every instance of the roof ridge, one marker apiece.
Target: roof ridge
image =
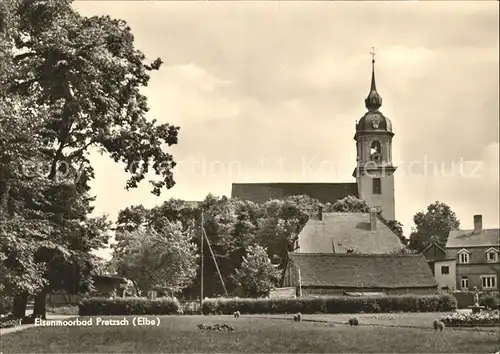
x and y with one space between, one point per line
472 230
310 182
374 255
346 212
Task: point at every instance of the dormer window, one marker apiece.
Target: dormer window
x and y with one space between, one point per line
463 256
492 255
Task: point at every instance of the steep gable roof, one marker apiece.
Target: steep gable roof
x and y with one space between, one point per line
324 192
341 232
467 238
434 252
362 271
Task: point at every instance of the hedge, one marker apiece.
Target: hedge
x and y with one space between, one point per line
127 306
466 299
336 304
491 300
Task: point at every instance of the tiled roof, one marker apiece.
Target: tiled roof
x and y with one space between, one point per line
324 192
339 232
362 271
467 238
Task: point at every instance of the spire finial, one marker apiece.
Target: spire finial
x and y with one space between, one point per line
373 101
373 55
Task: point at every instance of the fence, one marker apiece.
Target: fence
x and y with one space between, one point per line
189 306
62 299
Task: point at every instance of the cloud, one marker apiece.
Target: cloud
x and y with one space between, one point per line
194 76
189 94
287 80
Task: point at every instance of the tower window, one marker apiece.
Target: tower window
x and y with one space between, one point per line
376 151
377 186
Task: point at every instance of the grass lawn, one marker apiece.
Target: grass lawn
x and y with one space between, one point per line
264 334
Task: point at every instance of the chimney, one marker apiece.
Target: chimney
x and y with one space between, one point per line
373 219
320 213
478 224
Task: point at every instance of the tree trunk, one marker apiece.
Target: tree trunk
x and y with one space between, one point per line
137 292
40 301
19 305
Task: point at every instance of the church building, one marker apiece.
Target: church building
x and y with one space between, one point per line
351 253
374 170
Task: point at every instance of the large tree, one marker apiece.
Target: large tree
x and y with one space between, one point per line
257 275
152 259
433 224
282 222
87 75
23 222
230 226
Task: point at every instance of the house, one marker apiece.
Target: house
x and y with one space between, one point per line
373 168
445 273
443 269
104 285
362 233
475 253
316 274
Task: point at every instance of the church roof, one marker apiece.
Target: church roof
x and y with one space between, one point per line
467 238
362 271
373 101
340 232
374 121
324 192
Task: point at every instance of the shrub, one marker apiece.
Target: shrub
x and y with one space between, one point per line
490 300
9 321
5 304
333 304
128 306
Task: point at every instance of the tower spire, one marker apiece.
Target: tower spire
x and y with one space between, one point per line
373 101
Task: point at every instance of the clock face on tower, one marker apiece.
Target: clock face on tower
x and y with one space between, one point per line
376 122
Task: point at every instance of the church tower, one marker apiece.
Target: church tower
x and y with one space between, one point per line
374 170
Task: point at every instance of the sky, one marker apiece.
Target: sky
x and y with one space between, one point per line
270 92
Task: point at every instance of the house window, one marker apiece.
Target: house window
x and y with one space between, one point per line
377 186
463 256
445 270
464 283
488 281
492 255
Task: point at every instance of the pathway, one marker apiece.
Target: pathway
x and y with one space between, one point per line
4 331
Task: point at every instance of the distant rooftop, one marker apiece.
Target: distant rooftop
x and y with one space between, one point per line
341 232
467 238
263 192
